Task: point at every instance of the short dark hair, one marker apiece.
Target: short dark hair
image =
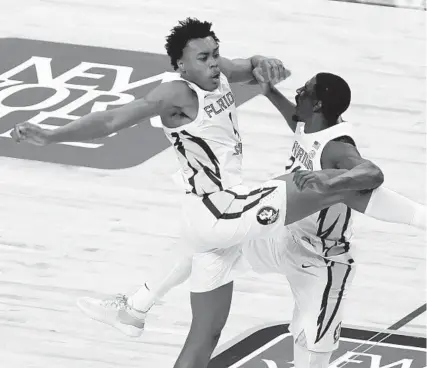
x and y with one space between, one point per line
187 30
335 94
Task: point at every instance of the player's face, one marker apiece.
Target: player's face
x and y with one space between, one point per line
200 63
306 100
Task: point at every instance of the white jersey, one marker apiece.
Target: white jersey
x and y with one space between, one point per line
329 231
209 148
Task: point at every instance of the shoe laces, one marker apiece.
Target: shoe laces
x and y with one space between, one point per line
120 302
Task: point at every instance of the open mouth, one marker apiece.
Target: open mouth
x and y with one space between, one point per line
215 77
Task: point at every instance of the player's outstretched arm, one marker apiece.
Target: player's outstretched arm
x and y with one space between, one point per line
102 123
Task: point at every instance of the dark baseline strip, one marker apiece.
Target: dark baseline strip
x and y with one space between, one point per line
408 318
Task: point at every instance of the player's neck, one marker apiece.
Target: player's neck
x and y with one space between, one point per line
316 124
184 76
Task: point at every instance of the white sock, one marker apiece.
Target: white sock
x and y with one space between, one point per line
390 206
156 288
304 358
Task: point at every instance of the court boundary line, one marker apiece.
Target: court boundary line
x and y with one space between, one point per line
408 318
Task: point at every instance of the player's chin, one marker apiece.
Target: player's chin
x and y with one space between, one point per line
209 84
214 81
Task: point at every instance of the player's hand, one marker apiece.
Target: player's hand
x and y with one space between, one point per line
314 180
30 133
270 71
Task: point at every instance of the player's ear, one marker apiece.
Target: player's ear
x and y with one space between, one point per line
181 66
317 107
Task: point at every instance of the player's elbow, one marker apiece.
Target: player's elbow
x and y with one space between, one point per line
112 121
376 174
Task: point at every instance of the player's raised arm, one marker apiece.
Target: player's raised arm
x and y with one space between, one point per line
284 105
266 72
259 67
102 123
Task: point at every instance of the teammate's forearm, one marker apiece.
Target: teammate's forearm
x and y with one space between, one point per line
362 177
285 107
89 127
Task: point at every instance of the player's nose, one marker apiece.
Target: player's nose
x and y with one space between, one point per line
213 63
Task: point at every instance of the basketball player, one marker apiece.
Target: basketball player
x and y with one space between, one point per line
315 253
219 214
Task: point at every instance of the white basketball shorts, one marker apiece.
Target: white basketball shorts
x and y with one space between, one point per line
216 227
318 285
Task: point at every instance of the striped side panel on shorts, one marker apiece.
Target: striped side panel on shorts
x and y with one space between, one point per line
257 194
326 315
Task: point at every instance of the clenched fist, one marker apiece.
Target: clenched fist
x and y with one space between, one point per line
30 133
270 71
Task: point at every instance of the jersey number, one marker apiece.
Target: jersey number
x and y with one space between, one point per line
291 163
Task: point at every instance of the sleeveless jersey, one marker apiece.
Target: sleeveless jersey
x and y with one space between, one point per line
329 231
209 149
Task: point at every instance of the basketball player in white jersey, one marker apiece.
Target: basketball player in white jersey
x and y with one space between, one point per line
219 214
315 254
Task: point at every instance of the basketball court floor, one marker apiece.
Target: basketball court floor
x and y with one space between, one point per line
96 219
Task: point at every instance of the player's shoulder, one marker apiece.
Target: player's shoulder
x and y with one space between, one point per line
174 87
339 146
175 92
336 149
344 139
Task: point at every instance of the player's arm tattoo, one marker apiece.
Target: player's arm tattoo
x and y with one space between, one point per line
362 174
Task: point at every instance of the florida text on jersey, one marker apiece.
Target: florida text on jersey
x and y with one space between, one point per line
209 148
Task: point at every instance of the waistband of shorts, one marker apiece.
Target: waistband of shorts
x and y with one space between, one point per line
344 257
238 189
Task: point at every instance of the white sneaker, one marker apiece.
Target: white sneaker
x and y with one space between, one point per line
115 312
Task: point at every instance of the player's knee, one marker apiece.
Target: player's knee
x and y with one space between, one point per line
204 336
210 329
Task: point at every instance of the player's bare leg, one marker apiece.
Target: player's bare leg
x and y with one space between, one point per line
210 312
